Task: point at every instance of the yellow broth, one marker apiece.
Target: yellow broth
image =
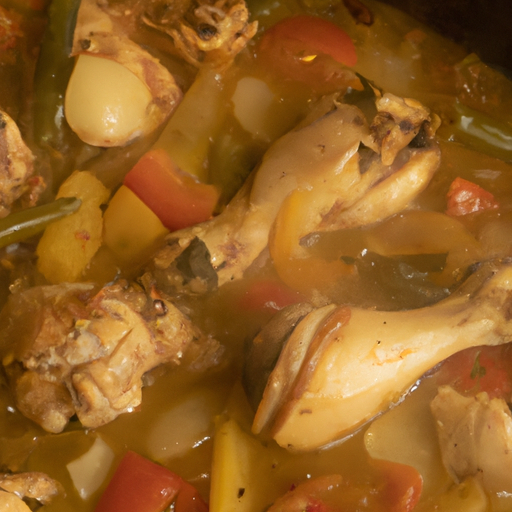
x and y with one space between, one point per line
400 56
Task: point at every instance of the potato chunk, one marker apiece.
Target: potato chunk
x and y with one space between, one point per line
106 104
68 245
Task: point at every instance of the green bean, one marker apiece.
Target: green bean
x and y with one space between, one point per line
26 223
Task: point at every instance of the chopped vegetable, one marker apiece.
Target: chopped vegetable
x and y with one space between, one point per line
171 437
268 295
187 137
465 197
68 245
390 487
175 197
90 469
407 434
484 89
139 485
106 104
26 223
415 232
402 485
307 36
130 228
311 50
295 266
54 67
240 470
478 369
252 102
479 131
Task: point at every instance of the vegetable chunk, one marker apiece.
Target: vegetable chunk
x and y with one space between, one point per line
140 485
68 245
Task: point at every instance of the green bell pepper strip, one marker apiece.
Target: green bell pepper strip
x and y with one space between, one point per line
479 131
54 67
26 223
491 131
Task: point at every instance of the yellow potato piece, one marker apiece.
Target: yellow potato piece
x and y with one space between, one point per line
106 104
131 229
238 458
68 245
243 474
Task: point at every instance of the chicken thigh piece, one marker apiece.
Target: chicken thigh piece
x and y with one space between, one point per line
73 351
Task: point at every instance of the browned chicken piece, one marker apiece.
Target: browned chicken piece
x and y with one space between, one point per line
16 166
398 122
213 31
84 353
475 437
34 485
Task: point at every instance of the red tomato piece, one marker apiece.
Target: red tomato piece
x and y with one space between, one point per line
310 50
388 487
466 197
478 369
268 295
175 197
315 36
139 485
403 485
189 500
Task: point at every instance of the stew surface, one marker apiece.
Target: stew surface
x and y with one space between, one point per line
255 257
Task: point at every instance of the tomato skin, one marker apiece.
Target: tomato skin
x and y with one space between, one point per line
465 197
478 369
310 50
189 500
269 295
388 487
314 35
176 198
403 485
139 485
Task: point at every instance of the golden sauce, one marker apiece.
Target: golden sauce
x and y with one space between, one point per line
181 408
